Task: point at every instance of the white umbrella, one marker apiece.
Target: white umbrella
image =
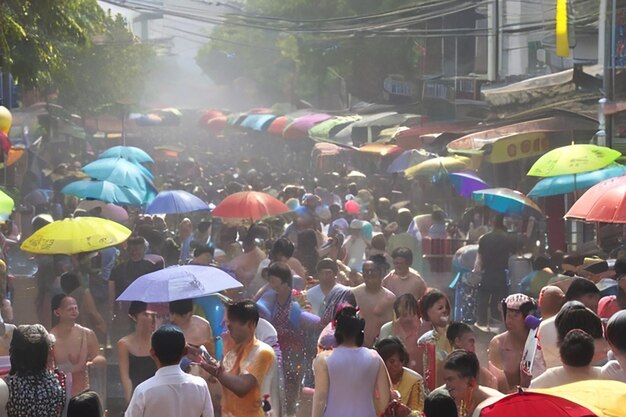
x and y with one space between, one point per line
179 283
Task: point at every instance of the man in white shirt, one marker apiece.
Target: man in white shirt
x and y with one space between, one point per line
170 392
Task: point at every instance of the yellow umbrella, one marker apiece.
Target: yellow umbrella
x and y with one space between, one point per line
443 164
71 236
573 159
605 398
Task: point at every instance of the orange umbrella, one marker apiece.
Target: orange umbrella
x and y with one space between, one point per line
208 115
216 124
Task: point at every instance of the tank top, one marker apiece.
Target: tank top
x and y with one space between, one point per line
140 368
352 374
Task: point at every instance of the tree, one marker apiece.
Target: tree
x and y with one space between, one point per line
74 47
309 62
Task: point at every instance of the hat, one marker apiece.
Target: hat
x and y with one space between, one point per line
595 265
516 301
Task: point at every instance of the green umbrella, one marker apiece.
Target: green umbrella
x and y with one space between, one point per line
327 129
573 159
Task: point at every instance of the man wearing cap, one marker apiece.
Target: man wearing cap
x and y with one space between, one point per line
506 349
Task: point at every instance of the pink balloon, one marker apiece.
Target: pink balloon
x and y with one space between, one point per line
352 207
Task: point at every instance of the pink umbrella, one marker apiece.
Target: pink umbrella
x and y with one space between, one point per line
299 128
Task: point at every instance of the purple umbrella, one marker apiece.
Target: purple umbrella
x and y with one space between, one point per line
175 202
466 183
299 128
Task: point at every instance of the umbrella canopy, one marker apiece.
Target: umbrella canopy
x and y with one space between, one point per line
38 197
208 115
178 283
564 184
103 190
408 159
257 121
175 202
299 128
607 398
356 174
277 126
249 205
6 205
72 236
466 183
102 168
437 166
327 129
108 211
506 201
573 159
130 153
216 124
534 404
604 202
123 173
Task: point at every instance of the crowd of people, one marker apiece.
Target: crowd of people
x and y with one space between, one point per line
344 309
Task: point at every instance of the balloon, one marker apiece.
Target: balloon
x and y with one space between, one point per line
214 312
352 207
6 119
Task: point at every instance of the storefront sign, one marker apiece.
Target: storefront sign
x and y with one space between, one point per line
524 145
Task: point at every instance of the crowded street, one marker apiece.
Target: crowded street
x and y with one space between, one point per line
229 227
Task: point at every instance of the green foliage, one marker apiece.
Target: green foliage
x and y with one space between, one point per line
73 46
311 61
110 69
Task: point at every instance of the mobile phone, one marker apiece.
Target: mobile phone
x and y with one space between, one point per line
207 356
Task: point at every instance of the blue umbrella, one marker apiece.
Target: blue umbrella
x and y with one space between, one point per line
257 121
564 184
507 201
408 159
466 183
103 191
103 167
123 173
175 202
129 153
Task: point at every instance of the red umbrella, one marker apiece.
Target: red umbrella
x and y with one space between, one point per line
605 202
524 404
249 205
278 125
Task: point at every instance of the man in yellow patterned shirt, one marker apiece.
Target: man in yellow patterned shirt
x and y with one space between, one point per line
245 367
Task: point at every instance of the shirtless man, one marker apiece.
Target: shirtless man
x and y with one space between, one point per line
197 330
404 279
461 336
247 264
76 348
460 374
374 301
506 349
197 333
